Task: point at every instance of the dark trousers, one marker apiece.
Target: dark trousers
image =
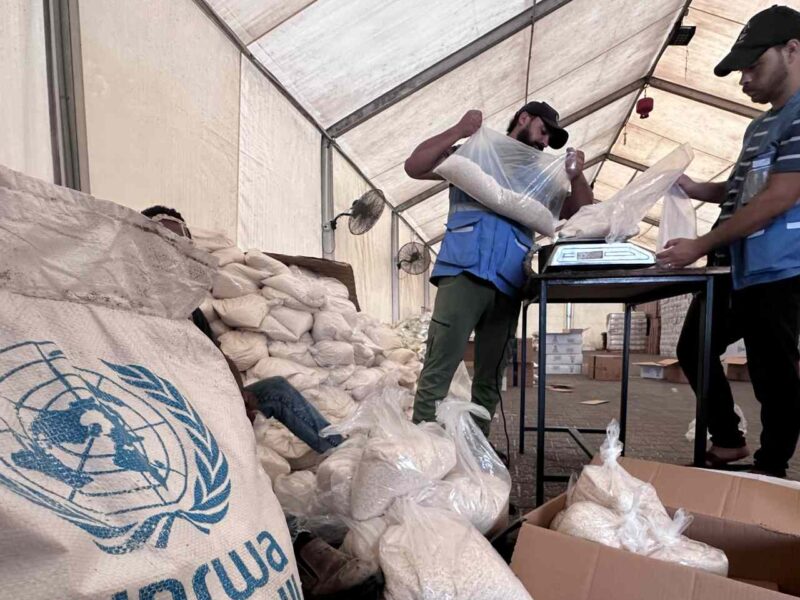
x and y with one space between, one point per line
767 316
465 304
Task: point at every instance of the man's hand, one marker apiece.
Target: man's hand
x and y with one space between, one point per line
575 162
681 253
688 185
469 123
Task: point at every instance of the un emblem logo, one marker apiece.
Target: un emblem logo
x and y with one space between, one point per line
121 455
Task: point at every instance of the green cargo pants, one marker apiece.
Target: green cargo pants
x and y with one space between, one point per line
465 304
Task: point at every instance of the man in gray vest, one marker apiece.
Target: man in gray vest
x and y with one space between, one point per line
758 235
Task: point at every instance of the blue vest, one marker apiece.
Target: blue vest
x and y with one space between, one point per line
484 244
773 253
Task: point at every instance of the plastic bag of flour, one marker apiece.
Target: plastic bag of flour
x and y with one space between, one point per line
513 179
434 554
129 467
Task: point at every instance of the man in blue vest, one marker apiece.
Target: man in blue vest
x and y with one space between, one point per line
479 271
758 235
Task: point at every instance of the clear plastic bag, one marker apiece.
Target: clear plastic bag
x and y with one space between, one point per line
434 554
611 486
478 487
672 546
512 179
678 219
617 219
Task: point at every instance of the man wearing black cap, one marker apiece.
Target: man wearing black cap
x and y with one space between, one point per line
758 235
479 271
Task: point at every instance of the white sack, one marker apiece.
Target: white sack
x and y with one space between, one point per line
274 435
333 354
302 378
330 325
402 356
342 306
384 337
245 311
228 284
230 255
246 272
363 383
297 493
272 462
258 260
338 375
298 352
334 288
207 308
285 324
363 354
335 404
137 465
244 348
218 328
210 241
299 289
335 476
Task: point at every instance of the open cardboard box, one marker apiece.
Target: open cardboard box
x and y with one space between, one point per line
756 523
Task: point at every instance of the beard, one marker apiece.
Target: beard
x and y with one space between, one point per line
524 136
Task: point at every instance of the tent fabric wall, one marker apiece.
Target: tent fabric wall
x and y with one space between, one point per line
162 108
24 108
370 254
279 171
412 287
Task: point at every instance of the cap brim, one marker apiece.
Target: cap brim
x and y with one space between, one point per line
558 136
738 59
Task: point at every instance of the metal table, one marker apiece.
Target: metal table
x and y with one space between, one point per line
629 287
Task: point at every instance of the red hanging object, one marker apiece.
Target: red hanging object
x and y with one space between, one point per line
644 106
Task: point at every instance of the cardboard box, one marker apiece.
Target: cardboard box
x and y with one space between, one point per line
603 367
667 369
757 524
736 368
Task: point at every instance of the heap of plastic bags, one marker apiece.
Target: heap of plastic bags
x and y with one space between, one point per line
610 506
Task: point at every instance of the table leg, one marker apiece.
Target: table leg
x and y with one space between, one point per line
541 389
701 416
626 361
523 376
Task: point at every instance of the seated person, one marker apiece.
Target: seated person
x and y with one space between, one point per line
272 397
325 572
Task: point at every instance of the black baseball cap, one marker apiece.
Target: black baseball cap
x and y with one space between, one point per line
549 116
771 27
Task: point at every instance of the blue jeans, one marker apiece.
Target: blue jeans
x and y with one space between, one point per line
277 398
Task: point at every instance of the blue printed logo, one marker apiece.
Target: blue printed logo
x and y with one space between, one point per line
121 455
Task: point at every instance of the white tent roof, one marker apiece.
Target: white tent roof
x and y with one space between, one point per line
380 77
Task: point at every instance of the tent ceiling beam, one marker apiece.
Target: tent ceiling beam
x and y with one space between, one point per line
603 102
421 197
704 98
435 240
446 65
625 162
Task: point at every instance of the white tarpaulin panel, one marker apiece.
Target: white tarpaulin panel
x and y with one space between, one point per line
412 287
24 109
369 254
250 19
715 135
162 108
584 29
611 179
431 215
595 133
336 56
279 171
490 83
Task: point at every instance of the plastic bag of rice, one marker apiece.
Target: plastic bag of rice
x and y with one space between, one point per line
434 554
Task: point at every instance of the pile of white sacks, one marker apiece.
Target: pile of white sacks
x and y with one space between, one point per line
610 506
274 320
414 333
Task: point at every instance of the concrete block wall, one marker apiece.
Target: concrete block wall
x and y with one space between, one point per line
673 314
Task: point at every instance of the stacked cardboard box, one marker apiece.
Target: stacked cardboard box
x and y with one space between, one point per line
616 331
603 367
564 352
673 314
756 523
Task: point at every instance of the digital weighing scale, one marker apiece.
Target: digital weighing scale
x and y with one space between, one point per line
572 254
